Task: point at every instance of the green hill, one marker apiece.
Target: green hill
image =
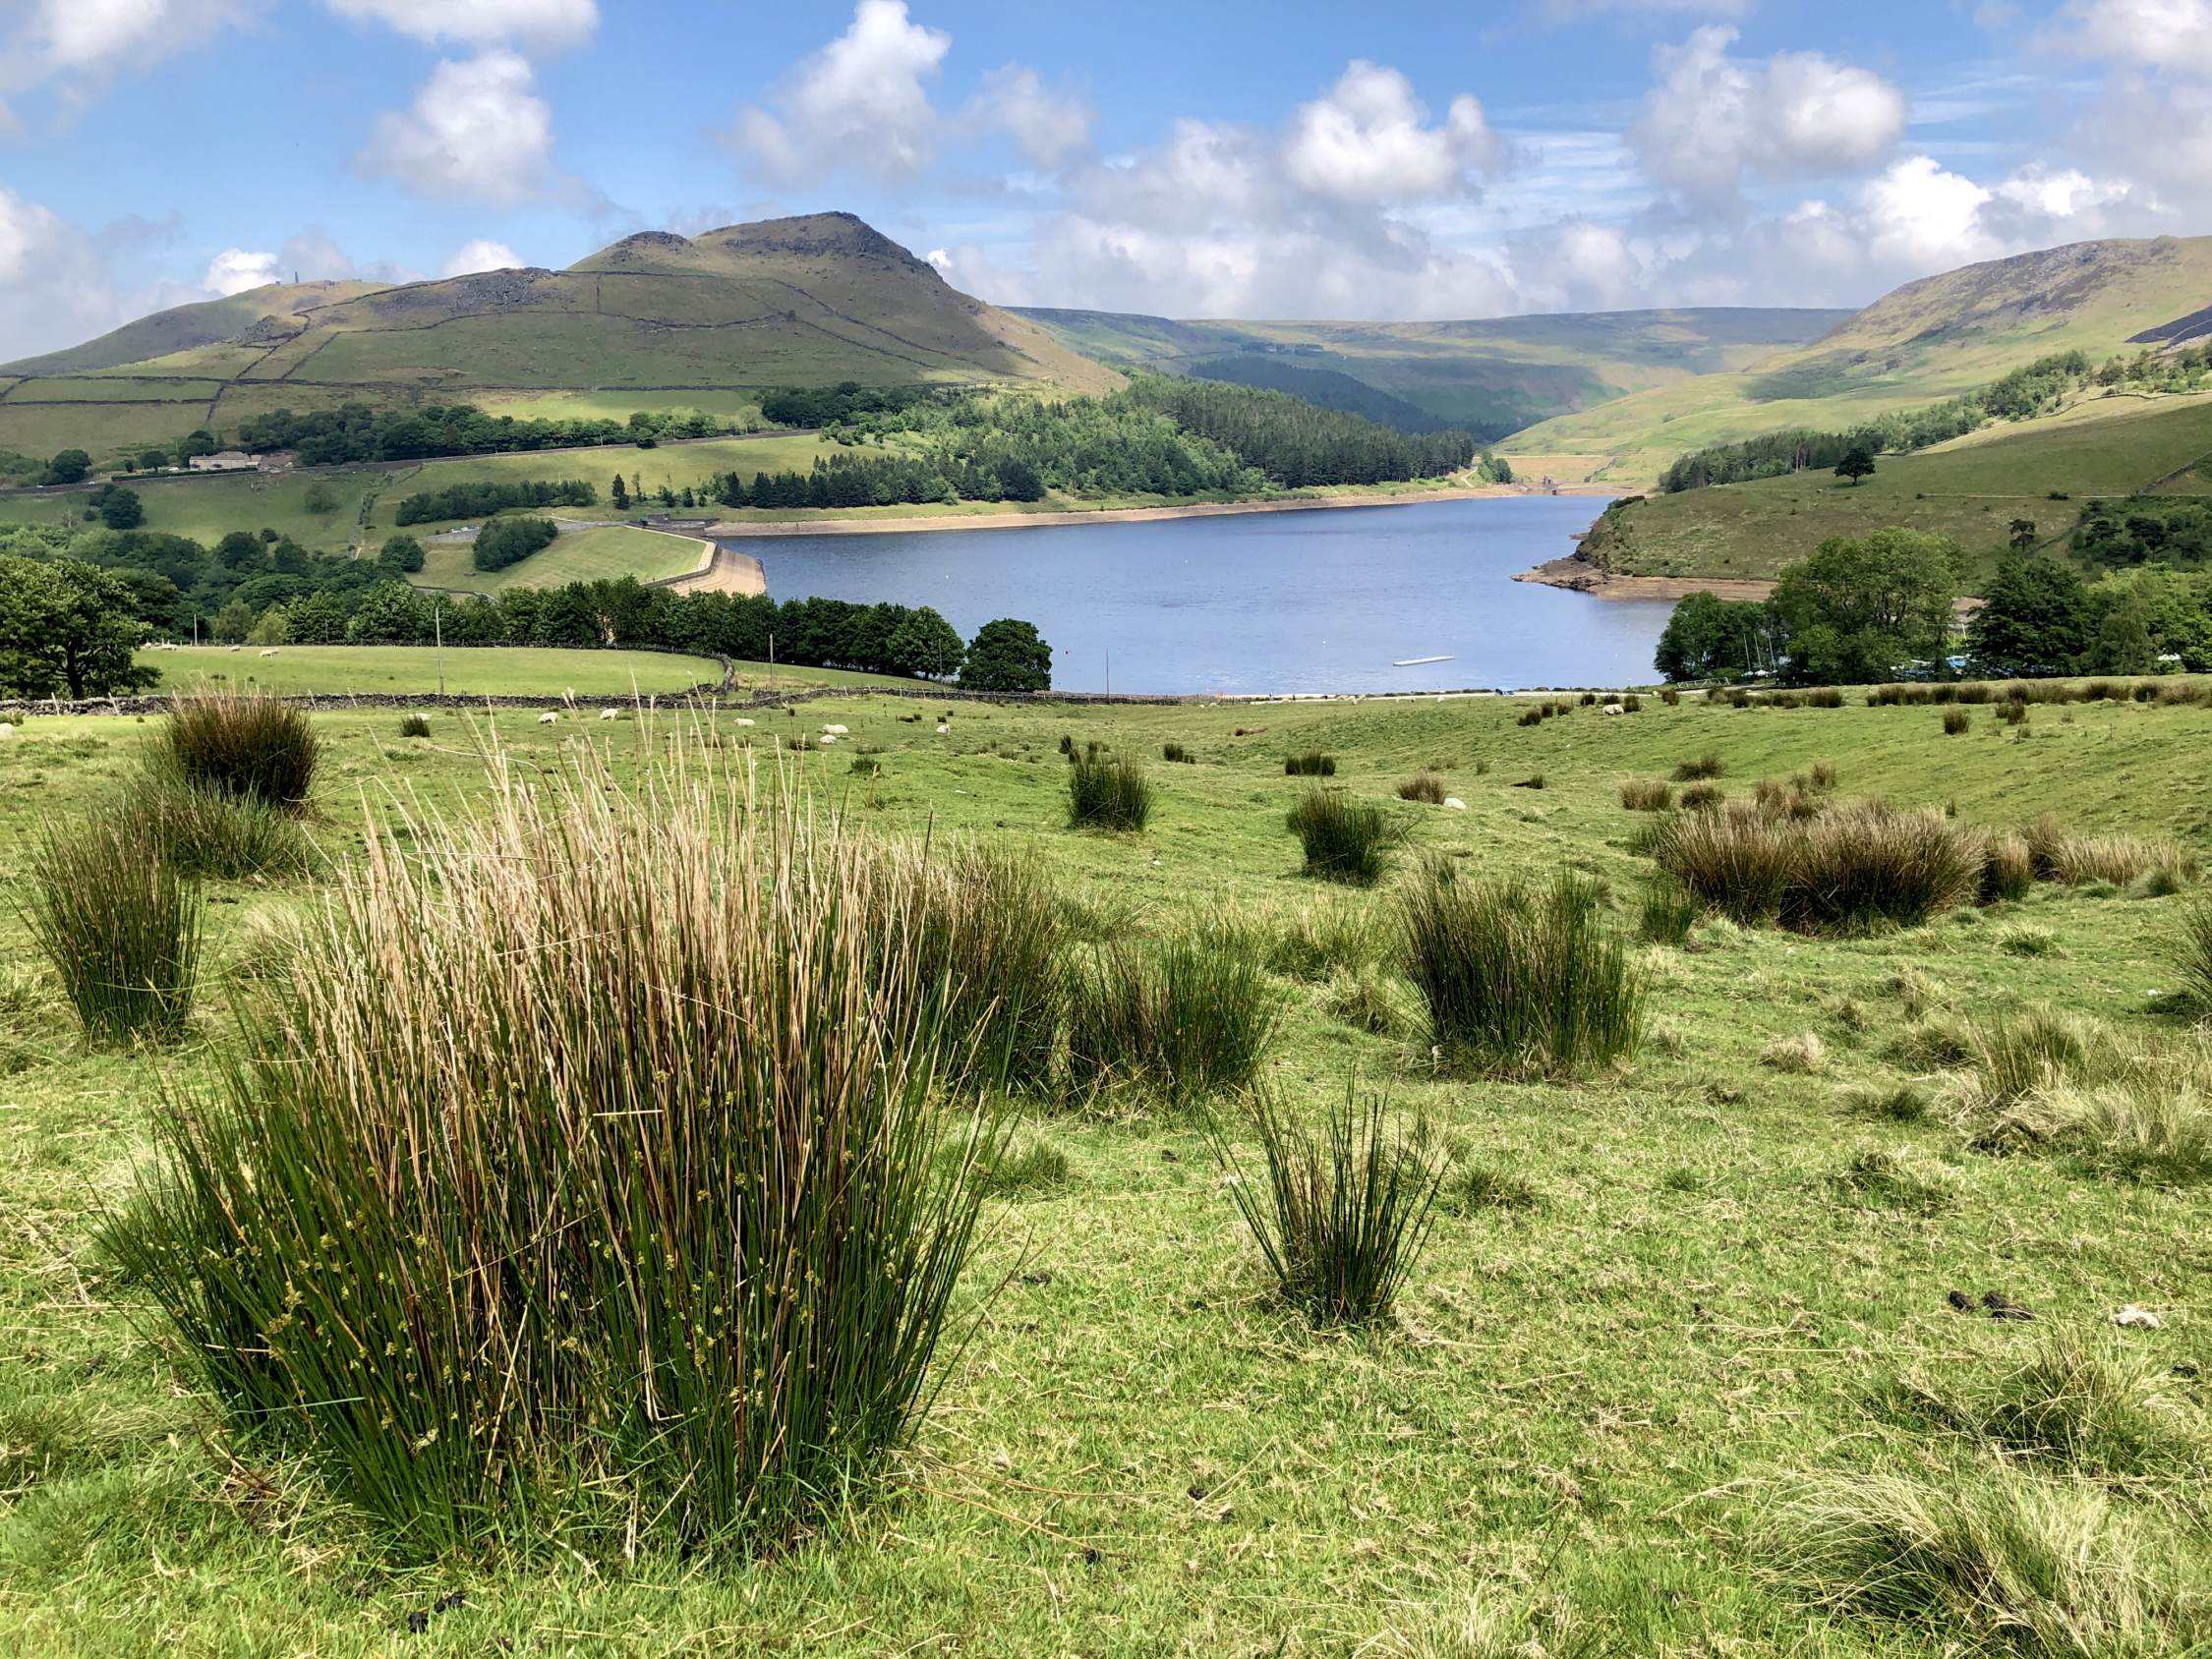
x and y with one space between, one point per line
1928 340
1491 377
2045 470
654 321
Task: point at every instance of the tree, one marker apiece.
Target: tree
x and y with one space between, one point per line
923 642
68 628
71 466
241 550
1857 463
232 623
153 460
619 494
1008 654
1715 639
2035 619
320 498
120 509
2022 535
401 553
1855 610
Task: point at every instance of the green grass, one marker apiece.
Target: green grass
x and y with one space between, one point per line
580 556
524 670
205 509
1575 1435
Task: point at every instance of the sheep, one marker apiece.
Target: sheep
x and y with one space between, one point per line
1612 709
1455 803
828 739
7 729
271 651
942 730
548 718
236 648
836 730
744 722
610 714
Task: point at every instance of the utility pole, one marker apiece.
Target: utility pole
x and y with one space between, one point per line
438 632
771 661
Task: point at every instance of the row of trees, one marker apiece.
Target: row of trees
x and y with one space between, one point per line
1295 443
481 501
511 540
356 431
1866 610
2122 535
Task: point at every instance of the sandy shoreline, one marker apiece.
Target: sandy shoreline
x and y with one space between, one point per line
1124 515
1577 574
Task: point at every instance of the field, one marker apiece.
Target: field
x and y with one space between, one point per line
207 509
579 556
1972 488
472 671
1653 1302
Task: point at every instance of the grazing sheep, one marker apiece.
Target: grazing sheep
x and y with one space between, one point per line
827 738
744 722
271 651
836 730
1455 803
548 718
1612 709
236 648
943 729
608 714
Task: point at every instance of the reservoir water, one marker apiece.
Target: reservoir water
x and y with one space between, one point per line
1302 602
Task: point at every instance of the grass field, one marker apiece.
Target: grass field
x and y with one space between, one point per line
473 671
1972 489
207 509
1654 1300
579 556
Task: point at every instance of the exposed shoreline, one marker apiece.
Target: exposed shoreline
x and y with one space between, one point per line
1578 575
730 530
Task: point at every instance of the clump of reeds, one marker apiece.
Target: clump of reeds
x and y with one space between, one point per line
1652 794
1668 914
203 833
1107 791
2196 956
1344 839
1702 797
1177 754
119 921
1957 722
1312 763
1704 766
1424 786
2007 868
582 1178
2011 1559
2060 855
990 931
1518 982
243 745
1842 869
414 724
1345 1212
1189 1018
1320 941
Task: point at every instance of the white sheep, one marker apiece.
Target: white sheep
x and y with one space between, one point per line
836 730
943 729
6 730
828 739
271 651
548 718
610 714
744 722
1455 803
236 648
1612 709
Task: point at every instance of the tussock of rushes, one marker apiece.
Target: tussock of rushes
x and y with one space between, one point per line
120 923
249 747
1190 1018
1368 999
1647 794
2194 957
1847 870
1318 941
203 832
414 725
2007 868
1424 786
583 1180
2029 1564
1801 1055
991 934
1704 766
2095 1408
1107 791
1345 1213
1668 914
2079 860
1518 982
1344 839
1312 764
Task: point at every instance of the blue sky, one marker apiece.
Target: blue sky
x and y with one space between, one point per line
1209 158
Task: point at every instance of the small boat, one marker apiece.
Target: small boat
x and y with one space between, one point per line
1416 661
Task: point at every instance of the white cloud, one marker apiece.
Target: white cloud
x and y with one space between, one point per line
1051 124
1712 118
2160 35
476 132
479 23
861 102
481 254
1367 140
77 47
57 286
310 256
1568 11
236 270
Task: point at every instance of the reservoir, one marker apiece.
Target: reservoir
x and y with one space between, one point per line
1366 598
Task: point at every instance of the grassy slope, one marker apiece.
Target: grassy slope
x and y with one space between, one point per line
473 671
1136 1452
1504 370
580 556
1972 489
669 323
1928 340
206 508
